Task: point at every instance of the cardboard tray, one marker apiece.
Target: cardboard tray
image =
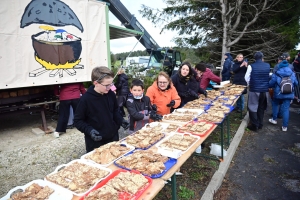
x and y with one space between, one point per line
182 110
123 141
122 195
176 122
107 164
154 124
83 162
168 165
197 121
174 150
59 193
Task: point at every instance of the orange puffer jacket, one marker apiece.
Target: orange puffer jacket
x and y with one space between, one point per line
162 98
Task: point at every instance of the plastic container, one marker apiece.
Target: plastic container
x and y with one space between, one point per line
215 149
122 195
199 149
59 193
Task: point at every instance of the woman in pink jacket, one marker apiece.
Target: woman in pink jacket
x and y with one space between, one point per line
69 95
163 94
205 75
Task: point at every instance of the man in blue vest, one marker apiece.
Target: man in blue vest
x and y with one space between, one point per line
257 77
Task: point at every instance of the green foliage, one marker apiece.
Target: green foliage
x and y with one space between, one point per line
199 24
185 193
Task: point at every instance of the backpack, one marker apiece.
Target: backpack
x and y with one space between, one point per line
286 84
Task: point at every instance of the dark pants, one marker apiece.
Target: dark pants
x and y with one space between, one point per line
64 112
90 144
256 118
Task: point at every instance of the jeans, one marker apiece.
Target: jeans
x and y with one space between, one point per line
285 112
64 113
240 102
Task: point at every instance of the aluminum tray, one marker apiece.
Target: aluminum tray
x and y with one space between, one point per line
59 193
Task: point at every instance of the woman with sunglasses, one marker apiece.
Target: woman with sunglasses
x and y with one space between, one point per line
185 82
97 114
163 94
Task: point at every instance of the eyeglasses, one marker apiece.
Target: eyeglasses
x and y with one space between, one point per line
162 83
107 86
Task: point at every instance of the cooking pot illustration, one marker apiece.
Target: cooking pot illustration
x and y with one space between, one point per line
54 48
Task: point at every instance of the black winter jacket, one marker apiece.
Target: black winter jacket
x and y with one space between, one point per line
99 112
239 73
139 111
183 89
122 85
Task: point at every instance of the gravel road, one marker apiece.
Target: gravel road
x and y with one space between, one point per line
25 156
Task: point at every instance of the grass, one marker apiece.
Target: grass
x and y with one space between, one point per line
185 193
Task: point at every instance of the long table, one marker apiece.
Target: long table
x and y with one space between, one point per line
159 183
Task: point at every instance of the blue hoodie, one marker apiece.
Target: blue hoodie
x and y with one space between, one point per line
227 67
284 71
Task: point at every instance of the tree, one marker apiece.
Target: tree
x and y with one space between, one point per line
221 26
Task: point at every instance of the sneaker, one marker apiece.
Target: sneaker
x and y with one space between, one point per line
284 128
272 121
70 126
56 134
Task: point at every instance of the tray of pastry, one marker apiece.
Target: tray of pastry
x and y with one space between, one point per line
38 189
156 126
147 162
185 111
161 126
78 176
226 100
177 118
105 155
143 138
195 105
220 108
216 117
197 127
120 185
177 141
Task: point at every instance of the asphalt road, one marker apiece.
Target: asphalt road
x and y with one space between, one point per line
267 163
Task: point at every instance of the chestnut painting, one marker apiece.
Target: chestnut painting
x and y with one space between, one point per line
54 47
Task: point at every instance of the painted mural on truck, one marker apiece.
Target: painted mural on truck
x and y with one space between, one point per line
52 41
55 48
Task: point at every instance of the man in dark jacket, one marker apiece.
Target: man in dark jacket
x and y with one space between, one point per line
257 77
97 114
122 90
227 67
296 63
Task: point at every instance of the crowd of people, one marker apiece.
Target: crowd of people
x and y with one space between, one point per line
99 113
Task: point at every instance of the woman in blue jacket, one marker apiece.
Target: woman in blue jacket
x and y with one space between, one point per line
283 71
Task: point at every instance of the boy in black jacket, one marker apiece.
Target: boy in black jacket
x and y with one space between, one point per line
97 114
139 107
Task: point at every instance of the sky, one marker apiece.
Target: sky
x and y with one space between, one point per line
127 44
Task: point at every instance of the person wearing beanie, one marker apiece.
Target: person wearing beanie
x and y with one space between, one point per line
226 67
283 71
257 77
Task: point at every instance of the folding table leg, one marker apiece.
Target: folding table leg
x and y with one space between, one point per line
173 186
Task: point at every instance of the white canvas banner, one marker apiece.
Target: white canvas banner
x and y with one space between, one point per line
51 42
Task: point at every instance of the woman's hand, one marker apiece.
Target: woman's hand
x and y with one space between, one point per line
244 64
